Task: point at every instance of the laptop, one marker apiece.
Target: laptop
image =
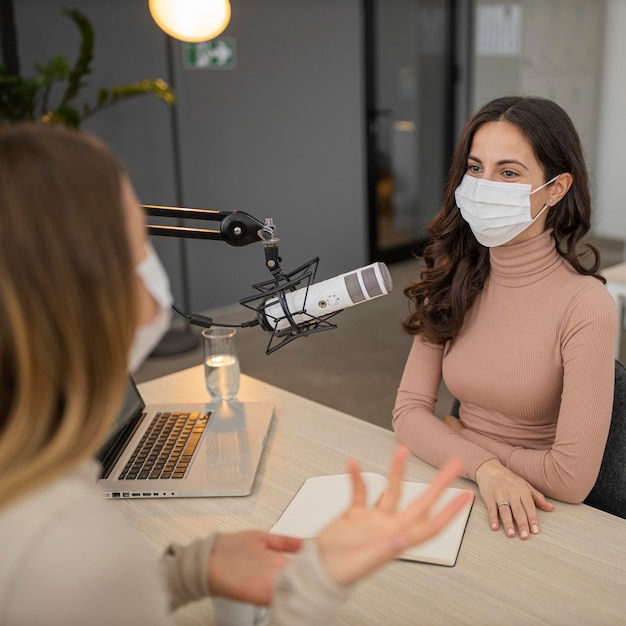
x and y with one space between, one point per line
183 450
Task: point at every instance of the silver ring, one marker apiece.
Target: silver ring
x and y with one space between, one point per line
504 503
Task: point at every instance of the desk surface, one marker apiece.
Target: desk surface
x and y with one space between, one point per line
573 572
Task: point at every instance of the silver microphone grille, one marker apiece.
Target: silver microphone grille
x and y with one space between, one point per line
370 281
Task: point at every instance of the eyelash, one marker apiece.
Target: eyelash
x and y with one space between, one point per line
472 168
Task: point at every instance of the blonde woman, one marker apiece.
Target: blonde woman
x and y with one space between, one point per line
82 296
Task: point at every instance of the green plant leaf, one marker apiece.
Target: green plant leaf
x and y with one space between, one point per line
82 67
17 97
66 115
56 69
148 86
24 98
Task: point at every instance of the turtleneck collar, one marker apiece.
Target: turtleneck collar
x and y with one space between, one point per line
526 262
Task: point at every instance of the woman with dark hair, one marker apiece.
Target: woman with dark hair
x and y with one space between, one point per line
511 312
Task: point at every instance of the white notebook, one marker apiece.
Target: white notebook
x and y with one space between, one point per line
322 498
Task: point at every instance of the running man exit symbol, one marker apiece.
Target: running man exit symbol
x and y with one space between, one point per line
216 54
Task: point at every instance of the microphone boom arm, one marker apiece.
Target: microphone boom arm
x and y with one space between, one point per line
238 228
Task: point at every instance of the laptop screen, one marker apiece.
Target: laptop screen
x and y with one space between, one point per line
126 421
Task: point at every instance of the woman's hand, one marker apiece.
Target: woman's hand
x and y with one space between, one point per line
454 423
362 539
243 565
510 498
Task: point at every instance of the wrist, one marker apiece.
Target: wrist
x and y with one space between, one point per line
488 467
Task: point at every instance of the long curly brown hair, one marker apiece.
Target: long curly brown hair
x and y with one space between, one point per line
456 264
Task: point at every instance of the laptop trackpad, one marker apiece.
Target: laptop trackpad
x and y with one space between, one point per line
229 447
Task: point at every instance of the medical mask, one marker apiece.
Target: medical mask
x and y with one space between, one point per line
496 211
153 276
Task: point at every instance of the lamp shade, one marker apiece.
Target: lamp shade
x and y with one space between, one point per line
191 20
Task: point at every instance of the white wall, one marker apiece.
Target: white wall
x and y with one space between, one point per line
609 175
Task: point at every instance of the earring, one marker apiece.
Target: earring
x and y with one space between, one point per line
551 200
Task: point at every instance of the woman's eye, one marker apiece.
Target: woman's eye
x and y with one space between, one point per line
473 169
509 174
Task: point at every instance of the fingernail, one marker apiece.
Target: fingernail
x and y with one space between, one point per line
494 526
535 529
524 534
511 532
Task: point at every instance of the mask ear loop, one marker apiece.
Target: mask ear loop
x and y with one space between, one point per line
550 200
544 185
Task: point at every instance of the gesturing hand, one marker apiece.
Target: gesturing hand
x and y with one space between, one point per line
362 539
243 565
509 497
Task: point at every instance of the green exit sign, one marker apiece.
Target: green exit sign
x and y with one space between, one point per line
217 54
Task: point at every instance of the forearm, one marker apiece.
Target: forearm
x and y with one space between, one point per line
548 471
431 440
304 593
185 571
414 421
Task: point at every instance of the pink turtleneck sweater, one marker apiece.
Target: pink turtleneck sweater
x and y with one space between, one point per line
533 367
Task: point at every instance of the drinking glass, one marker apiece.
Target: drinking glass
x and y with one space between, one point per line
221 363
228 612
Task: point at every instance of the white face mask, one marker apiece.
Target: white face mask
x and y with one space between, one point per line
496 211
147 336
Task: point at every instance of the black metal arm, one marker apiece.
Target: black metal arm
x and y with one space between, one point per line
240 229
237 228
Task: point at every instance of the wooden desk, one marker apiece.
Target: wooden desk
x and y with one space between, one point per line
573 572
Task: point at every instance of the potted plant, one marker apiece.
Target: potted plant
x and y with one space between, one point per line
23 98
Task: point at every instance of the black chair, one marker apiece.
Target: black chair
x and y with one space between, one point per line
609 492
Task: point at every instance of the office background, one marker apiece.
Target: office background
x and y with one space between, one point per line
321 91
282 134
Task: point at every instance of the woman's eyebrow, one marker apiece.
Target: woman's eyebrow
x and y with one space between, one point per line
471 157
508 161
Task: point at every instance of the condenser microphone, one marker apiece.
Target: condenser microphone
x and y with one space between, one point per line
307 305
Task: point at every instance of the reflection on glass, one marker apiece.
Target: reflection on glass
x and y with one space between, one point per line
410 92
229 444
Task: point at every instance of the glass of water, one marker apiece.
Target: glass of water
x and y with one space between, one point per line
221 363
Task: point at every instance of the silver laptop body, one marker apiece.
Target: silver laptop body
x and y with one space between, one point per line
226 439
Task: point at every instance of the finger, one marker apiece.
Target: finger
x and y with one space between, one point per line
531 513
421 505
425 529
541 502
506 515
389 499
359 491
493 516
283 543
521 519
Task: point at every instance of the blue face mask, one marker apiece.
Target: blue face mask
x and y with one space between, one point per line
496 211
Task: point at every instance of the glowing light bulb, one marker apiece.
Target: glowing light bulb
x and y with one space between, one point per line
191 20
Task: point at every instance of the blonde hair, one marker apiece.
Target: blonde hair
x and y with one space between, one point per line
67 302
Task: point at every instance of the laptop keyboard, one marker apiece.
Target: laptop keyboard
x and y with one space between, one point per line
167 446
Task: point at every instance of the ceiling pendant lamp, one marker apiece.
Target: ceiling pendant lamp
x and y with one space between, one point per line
191 20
